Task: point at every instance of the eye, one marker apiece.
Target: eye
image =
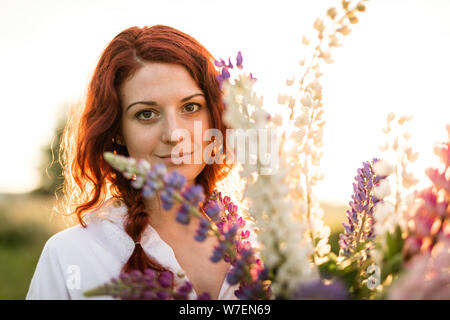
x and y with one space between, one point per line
146 115
192 107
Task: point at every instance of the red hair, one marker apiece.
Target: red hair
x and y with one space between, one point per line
91 131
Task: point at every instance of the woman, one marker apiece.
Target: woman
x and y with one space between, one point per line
149 85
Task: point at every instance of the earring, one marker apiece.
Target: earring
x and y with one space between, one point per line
119 141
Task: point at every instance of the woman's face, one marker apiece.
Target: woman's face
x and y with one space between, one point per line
160 103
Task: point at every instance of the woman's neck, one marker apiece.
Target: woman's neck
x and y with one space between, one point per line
165 220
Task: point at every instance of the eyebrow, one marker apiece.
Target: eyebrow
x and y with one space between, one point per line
153 103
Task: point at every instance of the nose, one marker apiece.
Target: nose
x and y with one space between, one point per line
172 132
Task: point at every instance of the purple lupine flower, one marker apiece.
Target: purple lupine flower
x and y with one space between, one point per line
184 291
166 279
239 60
225 74
194 194
213 209
204 296
219 79
220 63
202 230
147 285
160 170
219 252
151 185
175 180
319 290
360 222
167 198
230 234
233 276
183 214
230 65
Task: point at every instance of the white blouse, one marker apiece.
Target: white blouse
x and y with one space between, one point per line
77 259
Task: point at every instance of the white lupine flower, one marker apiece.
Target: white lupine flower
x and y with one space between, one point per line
383 168
408 179
410 154
305 40
383 189
326 56
316 87
404 119
383 210
260 116
301 120
384 146
289 82
277 120
298 135
143 166
318 25
395 144
345 30
282 98
306 100
282 238
390 116
334 42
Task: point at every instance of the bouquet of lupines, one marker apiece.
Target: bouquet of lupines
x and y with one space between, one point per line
218 215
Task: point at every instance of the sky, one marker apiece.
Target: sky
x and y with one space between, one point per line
394 60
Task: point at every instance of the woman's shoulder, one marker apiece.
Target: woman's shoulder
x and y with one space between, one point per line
112 210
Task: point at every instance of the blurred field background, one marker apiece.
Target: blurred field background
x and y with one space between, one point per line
25 226
26 222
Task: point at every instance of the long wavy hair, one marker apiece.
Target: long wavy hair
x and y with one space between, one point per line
93 125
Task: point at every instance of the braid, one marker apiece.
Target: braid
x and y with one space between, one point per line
135 224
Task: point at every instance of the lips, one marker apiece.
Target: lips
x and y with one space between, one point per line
171 160
179 156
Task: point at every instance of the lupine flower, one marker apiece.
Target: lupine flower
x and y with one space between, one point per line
426 276
202 230
360 225
219 252
429 223
271 209
194 194
398 148
319 290
239 60
183 216
147 285
213 210
383 168
245 266
225 68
